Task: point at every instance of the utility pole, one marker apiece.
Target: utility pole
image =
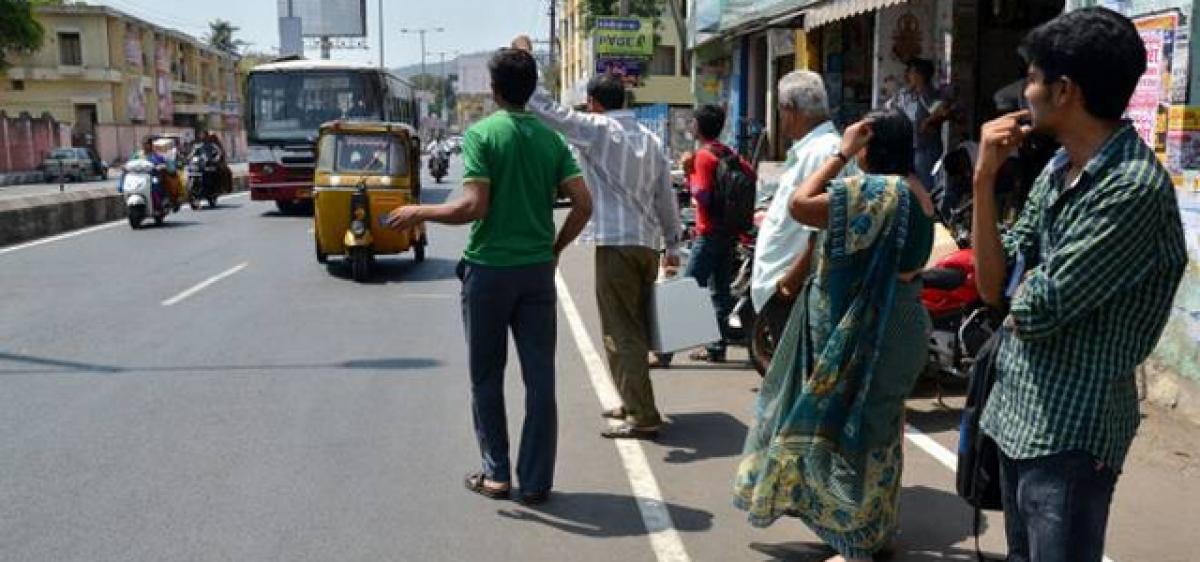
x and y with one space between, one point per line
422 31
624 8
380 34
445 81
553 30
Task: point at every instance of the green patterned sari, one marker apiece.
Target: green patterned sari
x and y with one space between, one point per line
818 450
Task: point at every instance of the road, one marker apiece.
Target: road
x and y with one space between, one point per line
207 391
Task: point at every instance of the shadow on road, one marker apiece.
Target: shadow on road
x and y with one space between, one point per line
934 421
49 366
604 515
400 268
703 436
169 224
932 522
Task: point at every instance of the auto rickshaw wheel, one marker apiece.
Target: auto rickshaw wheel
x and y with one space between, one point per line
322 257
419 249
285 207
360 264
212 201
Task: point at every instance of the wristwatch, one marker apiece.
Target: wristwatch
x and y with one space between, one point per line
838 154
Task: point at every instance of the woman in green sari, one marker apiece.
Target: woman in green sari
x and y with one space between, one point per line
826 445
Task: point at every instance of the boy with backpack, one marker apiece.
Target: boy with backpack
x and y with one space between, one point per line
723 191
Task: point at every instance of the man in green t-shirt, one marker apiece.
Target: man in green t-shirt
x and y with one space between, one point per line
515 167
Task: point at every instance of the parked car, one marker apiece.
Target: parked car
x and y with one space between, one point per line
73 164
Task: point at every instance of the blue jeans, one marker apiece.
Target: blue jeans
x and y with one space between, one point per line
494 301
1056 507
711 263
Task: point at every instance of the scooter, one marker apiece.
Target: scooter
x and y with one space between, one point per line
962 322
144 194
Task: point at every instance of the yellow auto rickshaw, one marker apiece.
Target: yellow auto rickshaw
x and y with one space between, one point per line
364 171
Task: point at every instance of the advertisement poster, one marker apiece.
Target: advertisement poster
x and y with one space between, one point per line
133 51
629 69
1148 106
135 98
632 37
162 85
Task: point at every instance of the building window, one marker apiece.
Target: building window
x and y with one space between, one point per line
663 63
18 85
70 49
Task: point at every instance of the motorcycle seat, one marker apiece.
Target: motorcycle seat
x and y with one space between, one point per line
943 278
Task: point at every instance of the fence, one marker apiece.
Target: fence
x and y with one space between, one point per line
25 140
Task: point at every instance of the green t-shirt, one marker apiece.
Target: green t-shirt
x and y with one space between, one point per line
524 162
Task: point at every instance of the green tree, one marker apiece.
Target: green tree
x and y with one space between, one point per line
19 30
220 37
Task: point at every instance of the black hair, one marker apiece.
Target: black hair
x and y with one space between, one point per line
1098 49
607 90
890 150
514 76
924 67
710 120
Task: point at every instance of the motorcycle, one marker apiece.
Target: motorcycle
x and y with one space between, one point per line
203 179
144 194
439 165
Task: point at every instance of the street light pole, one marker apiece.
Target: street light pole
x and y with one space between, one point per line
422 31
380 34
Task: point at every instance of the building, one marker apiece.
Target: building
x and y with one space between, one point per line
473 91
115 78
741 47
663 90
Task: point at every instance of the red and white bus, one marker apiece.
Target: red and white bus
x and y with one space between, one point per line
286 103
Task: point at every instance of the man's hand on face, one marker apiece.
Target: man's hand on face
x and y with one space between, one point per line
1000 139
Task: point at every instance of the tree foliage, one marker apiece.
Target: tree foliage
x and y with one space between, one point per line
19 30
220 37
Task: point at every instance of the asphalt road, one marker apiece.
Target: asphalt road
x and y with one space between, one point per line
207 391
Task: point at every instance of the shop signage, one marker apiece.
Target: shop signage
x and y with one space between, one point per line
620 66
632 37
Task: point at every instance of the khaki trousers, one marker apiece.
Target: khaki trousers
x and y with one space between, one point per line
625 278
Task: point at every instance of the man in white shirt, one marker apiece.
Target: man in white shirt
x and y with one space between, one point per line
784 248
634 218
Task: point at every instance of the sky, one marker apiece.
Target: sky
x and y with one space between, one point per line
471 25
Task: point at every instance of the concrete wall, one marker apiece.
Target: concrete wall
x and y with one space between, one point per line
25 140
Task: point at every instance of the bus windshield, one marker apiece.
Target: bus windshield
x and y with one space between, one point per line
292 106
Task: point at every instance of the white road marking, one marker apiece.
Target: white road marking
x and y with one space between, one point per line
664 538
88 230
943 455
204 284
63 236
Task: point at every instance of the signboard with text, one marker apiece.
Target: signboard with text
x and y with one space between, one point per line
628 37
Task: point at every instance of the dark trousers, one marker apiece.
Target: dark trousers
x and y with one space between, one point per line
624 286
521 299
711 263
1056 507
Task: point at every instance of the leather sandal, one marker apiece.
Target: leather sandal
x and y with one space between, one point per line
617 413
475 483
630 431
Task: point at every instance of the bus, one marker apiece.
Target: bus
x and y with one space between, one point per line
286 103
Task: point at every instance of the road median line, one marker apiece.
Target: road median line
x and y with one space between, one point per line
204 284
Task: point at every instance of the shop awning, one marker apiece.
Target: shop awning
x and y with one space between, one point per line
747 15
833 10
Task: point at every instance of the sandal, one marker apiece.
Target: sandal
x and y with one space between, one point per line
617 413
475 483
629 431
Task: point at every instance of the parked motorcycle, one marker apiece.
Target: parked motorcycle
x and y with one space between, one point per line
203 178
144 194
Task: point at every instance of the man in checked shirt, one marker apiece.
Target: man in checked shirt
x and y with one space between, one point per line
1098 252
634 218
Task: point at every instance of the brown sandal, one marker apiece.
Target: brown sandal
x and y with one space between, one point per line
617 413
629 431
475 483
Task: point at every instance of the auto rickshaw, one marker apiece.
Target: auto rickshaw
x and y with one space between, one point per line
364 171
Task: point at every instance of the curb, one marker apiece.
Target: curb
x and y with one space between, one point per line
37 216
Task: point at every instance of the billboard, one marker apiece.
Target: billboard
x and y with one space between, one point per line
632 37
327 18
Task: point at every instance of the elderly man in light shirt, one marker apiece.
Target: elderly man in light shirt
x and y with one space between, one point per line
634 218
784 249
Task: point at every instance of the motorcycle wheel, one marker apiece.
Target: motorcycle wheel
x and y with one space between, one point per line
212 201
762 347
360 264
136 216
194 203
158 219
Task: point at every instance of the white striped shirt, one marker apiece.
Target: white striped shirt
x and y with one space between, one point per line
627 171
